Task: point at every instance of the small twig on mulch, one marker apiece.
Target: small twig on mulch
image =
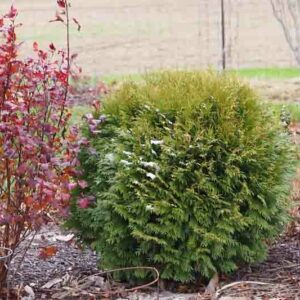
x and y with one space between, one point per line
98 285
241 287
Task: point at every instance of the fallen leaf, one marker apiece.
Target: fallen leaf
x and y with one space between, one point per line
47 252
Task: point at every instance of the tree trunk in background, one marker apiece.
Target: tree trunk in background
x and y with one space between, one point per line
287 13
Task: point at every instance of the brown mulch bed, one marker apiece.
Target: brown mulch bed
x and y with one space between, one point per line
70 260
281 271
73 274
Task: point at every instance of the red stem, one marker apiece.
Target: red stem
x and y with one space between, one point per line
68 64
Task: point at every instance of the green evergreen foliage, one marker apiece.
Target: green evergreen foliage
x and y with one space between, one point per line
191 175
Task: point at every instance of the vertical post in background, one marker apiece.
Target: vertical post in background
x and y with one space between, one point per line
223 32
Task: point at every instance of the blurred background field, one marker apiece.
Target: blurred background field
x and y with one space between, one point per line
134 36
121 40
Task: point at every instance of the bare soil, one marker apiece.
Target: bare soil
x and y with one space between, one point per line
276 90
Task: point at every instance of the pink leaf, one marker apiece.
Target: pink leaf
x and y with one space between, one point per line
83 203
61 3
12 13
35 47
72 186
22 169
82 183
52 47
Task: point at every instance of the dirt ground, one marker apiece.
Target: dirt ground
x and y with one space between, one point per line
278 90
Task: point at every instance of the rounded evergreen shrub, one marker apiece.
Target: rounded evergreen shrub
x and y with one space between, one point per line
190 174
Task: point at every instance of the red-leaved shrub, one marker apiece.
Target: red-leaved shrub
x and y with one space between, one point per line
37 149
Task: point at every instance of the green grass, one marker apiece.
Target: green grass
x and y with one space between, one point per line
78 112
259 73
121 77
264 73
268 73
292 108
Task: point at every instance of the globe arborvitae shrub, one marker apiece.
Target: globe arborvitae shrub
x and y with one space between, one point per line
186 172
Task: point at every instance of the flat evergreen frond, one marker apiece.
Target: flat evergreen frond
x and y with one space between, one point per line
191 175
